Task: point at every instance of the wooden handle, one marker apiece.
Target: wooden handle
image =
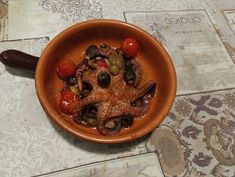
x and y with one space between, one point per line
19 60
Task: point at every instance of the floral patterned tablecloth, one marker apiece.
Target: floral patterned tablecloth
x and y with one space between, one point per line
196 139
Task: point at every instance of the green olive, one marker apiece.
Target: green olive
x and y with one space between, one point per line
130 77
75 90
114 70
119 63
112 60
103 79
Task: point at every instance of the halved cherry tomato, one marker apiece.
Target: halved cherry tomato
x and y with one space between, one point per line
65 68
130 47
68 102
102 64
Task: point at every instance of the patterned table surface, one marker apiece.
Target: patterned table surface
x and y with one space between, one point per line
196 139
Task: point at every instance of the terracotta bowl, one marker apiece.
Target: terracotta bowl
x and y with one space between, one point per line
72 42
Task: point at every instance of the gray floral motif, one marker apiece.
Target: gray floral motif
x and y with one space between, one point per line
171 115
74 10
220 139
231 124
201 105
196 173
229 119
215 102
3 19
4 2
183 107
222 171
229 99
202 160
172 151
20 150
218 171
191 131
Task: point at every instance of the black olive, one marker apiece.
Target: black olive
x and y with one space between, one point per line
127 120
128 65
93 51
130 77
86 89
71 80
103 79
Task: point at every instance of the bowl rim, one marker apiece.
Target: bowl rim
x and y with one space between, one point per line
52 114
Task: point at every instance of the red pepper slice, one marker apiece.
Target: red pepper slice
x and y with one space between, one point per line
102 64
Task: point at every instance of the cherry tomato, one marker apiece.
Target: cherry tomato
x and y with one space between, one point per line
68 102
130 47
65 68
102 64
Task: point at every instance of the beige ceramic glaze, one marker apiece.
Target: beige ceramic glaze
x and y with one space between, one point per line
71 44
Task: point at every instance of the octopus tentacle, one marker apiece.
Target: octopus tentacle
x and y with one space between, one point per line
136 111
104 110
140 92
92 99
90 78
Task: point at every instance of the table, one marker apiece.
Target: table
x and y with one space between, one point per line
196 139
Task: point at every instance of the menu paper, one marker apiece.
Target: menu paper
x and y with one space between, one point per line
194 45
145 165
